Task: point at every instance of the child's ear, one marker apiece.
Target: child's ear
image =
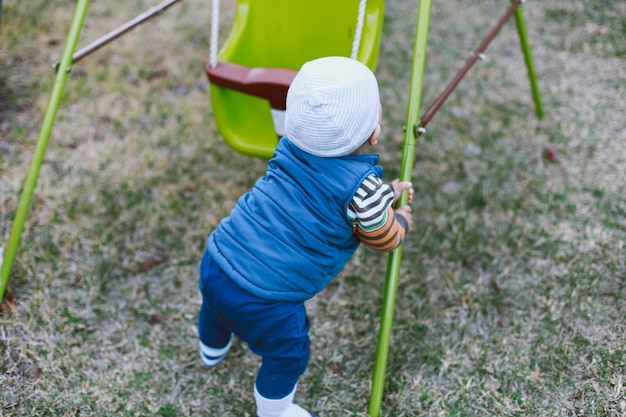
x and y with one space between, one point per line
373 139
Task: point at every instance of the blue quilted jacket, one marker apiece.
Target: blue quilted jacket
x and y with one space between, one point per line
288 237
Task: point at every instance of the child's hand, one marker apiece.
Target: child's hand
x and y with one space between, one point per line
406 212
399 186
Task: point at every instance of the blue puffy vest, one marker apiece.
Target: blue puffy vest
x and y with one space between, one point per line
288 237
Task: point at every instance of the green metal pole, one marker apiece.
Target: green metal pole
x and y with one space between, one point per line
521 29
42 143
408 158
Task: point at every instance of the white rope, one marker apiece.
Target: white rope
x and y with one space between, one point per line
356 44
215 21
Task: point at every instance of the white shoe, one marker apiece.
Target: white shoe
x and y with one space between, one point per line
295 410
274 408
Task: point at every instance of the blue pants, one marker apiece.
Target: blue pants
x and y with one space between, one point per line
278 331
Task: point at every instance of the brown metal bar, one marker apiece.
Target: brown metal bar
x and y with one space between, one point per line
428 115
111 36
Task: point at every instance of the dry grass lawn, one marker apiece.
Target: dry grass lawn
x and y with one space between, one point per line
512 288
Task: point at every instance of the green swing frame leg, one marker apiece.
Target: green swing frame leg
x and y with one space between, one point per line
408 158
410 139
528 58
63 69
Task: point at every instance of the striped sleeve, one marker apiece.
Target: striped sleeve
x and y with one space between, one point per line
373 219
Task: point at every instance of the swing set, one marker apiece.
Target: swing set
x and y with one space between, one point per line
249 78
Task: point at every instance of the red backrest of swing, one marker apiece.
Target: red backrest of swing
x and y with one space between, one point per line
268 83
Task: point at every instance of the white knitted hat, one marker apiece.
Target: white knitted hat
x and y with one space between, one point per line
333 106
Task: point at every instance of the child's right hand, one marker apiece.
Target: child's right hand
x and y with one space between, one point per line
406 213
399 186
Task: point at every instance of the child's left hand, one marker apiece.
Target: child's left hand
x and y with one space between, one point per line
399 186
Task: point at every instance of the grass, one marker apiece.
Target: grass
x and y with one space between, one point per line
510 300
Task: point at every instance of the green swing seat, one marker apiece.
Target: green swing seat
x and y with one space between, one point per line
269 41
